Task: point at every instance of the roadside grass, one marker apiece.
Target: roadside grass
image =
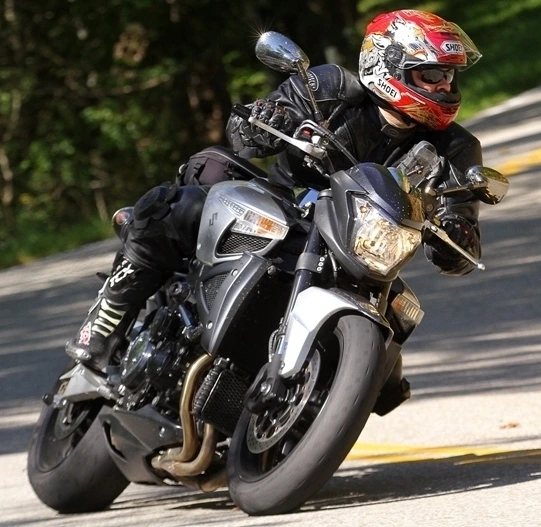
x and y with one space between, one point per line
507 34
34 244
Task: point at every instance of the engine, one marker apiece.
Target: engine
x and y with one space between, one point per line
153 373
154 361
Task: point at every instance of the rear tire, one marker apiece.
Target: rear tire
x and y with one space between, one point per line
281 478
69 466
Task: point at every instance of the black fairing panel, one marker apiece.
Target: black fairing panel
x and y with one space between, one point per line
335 219
135 436
384 190
244 308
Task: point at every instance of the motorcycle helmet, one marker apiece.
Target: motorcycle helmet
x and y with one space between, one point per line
398 42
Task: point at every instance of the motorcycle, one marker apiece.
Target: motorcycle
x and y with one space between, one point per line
258 367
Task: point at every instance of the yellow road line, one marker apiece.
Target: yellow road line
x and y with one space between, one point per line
520 163
384 453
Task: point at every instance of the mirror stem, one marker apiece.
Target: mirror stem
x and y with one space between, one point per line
317 114
463 187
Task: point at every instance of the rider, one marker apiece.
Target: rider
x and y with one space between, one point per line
406 91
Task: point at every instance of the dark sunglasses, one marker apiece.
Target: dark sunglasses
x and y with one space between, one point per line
435 75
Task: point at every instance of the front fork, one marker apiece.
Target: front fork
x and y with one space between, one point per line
269 386
309 264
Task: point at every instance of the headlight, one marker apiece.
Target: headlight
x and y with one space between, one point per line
377 242
254 223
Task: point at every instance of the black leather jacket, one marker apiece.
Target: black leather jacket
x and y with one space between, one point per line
355 118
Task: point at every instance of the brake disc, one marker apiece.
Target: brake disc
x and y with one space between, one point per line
268 427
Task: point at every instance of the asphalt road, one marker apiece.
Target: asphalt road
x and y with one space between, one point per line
464 451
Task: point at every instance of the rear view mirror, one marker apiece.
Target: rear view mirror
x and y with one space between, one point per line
487 184
280 53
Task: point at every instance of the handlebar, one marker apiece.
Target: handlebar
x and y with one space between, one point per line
308 148
440 233
241 111
313 149
319 152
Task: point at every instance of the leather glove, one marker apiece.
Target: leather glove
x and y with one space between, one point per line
444 257
271 113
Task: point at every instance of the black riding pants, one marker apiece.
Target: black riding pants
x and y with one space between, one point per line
165 227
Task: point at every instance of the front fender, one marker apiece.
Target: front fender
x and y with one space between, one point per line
313 307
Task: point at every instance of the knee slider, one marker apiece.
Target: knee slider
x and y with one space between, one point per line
154 205
121 218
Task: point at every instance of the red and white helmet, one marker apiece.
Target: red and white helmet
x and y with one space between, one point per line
397 42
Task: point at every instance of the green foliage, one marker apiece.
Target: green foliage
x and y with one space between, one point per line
49 241
100 101
507 34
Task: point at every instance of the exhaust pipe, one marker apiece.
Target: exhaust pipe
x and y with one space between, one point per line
186 463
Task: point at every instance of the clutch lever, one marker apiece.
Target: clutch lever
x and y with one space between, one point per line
308 148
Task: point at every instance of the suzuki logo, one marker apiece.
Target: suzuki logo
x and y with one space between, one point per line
213 219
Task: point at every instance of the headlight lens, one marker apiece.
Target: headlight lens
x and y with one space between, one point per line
254 223
377 242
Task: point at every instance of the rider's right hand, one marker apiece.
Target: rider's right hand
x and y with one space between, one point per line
444 257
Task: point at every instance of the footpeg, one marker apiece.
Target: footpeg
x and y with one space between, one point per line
84 384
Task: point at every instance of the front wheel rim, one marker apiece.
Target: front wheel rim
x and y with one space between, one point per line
255 466
269 427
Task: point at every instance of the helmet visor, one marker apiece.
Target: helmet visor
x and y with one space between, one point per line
470 49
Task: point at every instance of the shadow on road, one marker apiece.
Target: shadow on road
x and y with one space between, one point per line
510 129
33 331
484 326
372 484
356 485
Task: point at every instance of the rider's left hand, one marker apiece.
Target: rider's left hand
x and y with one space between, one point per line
271 113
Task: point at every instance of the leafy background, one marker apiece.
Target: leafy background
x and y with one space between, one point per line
101 101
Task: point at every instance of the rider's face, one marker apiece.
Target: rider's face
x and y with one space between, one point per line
434 80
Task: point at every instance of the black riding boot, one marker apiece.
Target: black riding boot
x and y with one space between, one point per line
395 391
118 303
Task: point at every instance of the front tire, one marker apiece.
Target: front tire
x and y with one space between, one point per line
273 472
69 466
